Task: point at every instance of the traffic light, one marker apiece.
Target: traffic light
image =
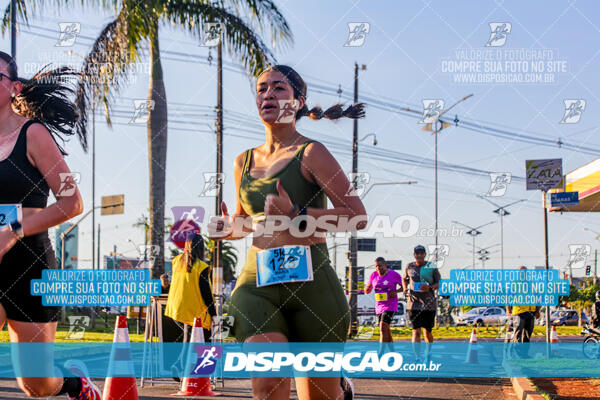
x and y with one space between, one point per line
588 270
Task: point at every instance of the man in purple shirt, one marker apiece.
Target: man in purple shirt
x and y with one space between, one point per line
385 282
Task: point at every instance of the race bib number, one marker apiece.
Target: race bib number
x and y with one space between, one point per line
283 264
10 213
381 296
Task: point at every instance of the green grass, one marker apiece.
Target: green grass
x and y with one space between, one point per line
104 330
464 332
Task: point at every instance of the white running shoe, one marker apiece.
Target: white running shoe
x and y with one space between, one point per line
89 391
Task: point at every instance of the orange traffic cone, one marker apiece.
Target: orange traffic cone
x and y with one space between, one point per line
554 340
120 383
195 386
472 356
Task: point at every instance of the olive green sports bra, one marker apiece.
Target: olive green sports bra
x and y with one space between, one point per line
254 191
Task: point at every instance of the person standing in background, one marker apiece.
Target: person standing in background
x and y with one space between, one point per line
190 293
525 322
164 284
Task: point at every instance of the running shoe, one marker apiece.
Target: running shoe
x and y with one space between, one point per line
347 388
89 391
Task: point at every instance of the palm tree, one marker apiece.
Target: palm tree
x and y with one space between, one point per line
121 42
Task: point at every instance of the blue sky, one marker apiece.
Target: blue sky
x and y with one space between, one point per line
404 53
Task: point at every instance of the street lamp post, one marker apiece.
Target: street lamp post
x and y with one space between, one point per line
483 253
433 127
473 232
501 211
435 133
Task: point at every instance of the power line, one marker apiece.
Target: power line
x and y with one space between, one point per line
390 106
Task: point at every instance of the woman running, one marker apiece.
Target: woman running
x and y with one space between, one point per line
290 175
32 114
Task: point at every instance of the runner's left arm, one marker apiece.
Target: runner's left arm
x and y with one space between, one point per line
46 157
326 172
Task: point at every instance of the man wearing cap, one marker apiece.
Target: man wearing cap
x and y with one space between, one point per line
385 282
420 280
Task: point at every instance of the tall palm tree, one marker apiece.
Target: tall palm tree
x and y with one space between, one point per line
121 43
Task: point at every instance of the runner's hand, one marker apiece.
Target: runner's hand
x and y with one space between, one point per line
7 241
220 227
280 203
392 293
424 287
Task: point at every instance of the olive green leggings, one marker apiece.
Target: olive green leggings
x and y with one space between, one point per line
315 311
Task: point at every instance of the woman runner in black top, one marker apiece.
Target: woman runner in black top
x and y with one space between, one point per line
33 112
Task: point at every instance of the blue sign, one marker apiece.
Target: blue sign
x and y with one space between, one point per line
564 199
95 288
326 359
504 287
9 213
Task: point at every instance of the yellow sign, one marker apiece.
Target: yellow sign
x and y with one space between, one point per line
381 296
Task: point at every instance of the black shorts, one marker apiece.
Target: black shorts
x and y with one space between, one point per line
422 319
24 262
386 316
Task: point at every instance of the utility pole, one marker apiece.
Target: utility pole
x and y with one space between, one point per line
13 29
547 264
217 257
353 243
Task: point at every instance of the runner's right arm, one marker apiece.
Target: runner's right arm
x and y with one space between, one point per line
405 282
369 286
237 220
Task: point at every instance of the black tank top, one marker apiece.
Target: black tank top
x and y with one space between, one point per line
21 182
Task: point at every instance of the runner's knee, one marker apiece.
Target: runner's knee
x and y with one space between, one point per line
39 387
270 388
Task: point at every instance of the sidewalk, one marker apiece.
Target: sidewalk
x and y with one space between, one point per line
366 389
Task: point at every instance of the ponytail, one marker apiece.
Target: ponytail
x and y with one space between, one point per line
334 112
46 98
193 250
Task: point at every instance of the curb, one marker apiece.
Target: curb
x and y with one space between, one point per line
524 389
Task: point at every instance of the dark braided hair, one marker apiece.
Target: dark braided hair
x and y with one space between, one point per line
334 112
45 98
